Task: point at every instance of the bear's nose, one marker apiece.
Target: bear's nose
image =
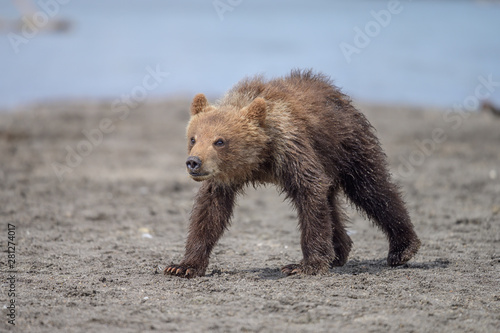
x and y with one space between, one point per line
193 163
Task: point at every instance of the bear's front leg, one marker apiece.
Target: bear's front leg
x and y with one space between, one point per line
210 217
308 191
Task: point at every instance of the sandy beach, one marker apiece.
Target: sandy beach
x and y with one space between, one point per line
96 200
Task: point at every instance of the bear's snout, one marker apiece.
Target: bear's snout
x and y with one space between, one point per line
193 164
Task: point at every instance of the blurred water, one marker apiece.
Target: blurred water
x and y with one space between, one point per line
426 53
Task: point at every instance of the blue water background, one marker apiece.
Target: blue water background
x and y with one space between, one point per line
430 53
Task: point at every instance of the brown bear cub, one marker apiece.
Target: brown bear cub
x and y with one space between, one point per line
303 135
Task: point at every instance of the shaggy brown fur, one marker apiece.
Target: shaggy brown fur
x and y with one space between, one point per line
303 135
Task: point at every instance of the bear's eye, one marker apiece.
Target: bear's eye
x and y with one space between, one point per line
219 143
193 141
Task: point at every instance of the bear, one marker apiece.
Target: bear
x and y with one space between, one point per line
302 134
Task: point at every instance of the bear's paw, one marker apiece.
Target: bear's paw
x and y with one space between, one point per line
400 254
183 271
308 269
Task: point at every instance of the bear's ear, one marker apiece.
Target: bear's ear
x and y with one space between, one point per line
199 104
257 110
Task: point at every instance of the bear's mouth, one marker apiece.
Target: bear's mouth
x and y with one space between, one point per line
199 176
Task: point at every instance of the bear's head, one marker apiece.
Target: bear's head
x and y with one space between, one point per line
226 143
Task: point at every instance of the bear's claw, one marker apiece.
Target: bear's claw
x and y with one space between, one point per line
180 270
291 269
302 268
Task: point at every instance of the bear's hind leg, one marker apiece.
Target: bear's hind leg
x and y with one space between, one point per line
369 188
342 243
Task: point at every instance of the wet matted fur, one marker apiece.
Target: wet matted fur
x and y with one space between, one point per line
302 134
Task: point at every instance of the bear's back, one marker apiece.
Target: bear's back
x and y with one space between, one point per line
302 92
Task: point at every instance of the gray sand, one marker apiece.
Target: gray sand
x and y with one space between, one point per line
90 248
